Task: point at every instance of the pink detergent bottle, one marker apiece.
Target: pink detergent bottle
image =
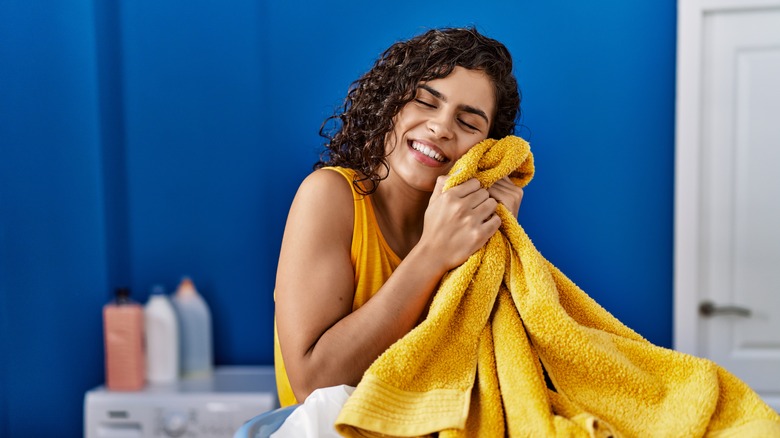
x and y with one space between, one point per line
123 331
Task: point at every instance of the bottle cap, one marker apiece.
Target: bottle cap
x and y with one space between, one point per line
186 287
122 294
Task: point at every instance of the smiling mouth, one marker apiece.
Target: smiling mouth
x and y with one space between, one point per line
428 152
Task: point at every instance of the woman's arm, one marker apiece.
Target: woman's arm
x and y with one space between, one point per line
325 343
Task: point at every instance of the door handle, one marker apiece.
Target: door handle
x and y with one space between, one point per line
708 308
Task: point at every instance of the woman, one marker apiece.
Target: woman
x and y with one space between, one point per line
370 233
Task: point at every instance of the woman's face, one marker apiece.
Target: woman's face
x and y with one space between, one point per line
444 120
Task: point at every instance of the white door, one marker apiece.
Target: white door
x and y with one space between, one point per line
727 206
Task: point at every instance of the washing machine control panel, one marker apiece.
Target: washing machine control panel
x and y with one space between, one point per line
206 408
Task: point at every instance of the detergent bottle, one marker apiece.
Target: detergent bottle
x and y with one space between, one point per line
196 357
123 332
162 338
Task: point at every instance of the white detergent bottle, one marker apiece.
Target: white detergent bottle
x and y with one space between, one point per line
162 338
196 358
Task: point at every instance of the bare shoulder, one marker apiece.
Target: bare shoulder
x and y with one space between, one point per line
326 182
326 197
321 218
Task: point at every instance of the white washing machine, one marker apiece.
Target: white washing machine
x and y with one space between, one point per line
192 408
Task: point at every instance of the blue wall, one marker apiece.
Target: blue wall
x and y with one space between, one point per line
142 141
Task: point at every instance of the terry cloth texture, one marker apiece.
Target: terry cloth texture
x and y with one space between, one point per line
473 367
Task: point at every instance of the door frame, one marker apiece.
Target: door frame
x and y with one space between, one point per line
687 186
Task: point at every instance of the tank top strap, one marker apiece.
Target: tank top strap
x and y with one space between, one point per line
371 256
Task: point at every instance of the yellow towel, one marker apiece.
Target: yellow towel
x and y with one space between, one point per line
473 367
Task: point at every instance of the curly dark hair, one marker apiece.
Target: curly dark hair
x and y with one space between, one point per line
356 132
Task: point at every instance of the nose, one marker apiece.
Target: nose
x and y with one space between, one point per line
441 125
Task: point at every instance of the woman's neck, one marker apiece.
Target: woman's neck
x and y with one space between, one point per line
400 211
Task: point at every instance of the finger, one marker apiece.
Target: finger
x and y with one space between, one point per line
441 180
494 223
439 187
503 185
485 210
467 187
506 191
477 198
490 225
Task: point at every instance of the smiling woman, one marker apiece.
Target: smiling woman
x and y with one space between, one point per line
446 118
359 277
357 138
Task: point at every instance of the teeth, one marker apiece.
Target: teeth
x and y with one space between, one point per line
428 151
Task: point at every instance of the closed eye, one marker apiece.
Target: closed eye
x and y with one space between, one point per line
474 128
422 102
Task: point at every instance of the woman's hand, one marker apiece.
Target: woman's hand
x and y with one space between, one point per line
507 193
458 222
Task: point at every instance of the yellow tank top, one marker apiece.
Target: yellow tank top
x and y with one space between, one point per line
372 259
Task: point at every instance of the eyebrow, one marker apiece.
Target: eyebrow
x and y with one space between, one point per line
468 108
